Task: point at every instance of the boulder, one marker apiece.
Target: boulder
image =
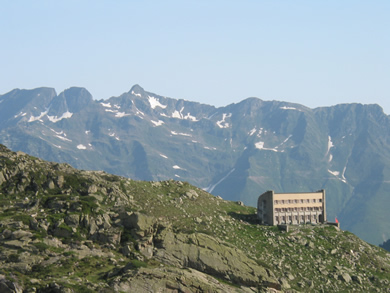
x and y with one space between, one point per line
357 279
142 223
191 194
110 236
72 220
345 277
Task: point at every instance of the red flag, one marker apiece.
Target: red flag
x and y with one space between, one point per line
336 220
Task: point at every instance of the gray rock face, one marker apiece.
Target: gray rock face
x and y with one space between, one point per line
171 279
206 254
142 223
6 286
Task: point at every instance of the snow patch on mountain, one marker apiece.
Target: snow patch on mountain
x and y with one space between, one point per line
178 133
106 105
210 188
38 118
137 111
261 130
343 174
252 132
157 123
21 114
260 145
222 123
210 148
330 145
177 114
55 119
289 108
155 103
335 173
190 117
116 111
63 138
136 94
121 114
176 167
284 141
113 134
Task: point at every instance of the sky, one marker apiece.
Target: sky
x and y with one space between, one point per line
314 53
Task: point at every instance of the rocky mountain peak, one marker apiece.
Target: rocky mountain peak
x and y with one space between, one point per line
137 90
76 98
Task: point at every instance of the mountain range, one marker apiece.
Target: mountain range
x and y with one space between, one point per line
237 151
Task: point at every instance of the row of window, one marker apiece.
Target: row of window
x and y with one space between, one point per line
298 209
290 201
289 219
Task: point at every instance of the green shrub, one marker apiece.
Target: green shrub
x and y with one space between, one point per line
41 246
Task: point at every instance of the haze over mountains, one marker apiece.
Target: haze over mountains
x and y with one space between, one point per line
238 151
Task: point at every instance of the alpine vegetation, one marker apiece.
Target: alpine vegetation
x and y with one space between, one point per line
67 230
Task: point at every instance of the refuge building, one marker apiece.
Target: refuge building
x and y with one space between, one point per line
291 208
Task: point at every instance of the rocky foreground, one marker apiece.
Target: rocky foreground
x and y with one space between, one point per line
65 230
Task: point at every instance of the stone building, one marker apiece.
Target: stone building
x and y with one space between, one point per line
291 208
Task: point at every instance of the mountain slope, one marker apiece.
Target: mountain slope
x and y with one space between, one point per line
65 230
237 151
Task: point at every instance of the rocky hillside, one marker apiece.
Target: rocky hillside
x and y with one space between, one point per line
238 151
65 230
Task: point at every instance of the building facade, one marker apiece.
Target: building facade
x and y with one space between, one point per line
291 208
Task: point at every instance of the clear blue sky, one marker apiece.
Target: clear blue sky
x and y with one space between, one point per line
316 53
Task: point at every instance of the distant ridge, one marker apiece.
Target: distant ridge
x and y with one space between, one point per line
237 151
